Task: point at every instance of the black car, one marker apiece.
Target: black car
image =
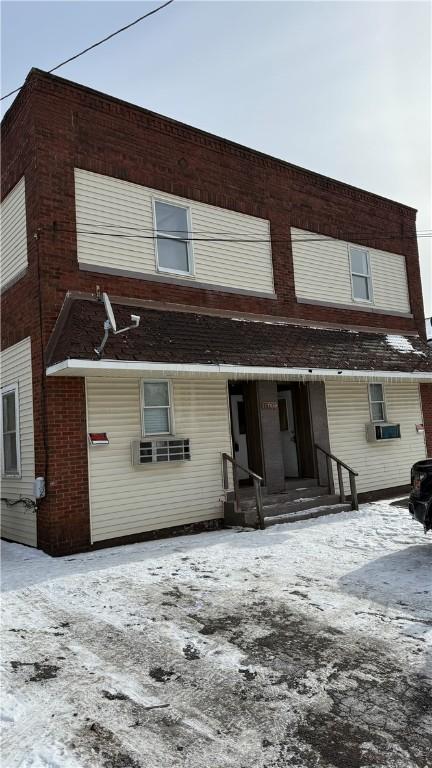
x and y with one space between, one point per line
420 500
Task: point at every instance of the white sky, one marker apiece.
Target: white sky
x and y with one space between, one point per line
342 88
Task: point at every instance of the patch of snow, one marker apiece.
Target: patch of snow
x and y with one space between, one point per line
227 648
402 344
278 321
261 322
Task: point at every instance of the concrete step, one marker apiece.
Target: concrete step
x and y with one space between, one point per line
299 505
301 492
300 482
306 514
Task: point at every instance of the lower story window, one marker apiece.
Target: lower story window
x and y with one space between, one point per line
377 402
156 399
10 431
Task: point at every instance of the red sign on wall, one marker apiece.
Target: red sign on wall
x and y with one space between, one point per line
98 438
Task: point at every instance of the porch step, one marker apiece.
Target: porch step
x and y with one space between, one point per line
300 483
301 502
275 509
306 514
299 494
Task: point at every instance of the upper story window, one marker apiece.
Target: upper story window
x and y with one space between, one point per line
156 407
11 462
360 274
377 402
173 250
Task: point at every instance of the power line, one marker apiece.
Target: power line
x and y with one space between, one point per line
347 236
95 45
159 235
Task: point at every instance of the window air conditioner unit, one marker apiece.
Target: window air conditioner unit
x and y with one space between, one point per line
156 451
376 432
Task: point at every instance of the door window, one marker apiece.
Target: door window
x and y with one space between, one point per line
283 414
241 415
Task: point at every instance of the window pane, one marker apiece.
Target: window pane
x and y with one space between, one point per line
171 219
359 262
156 420
241 415
377 412
283 418
376 392
10 453
360 287
173 254
156 393
9 424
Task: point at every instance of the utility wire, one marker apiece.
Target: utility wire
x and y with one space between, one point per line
95 45
160 235
347 236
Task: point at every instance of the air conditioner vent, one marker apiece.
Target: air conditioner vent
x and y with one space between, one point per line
384 431
161 450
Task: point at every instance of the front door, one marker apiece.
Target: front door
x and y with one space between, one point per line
238 418
288 433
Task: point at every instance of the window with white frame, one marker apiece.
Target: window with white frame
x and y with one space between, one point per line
173 248
360 274
377 402
156 407
11 463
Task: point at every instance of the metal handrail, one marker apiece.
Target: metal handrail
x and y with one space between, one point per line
257 480
352 476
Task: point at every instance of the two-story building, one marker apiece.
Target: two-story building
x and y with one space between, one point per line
280 322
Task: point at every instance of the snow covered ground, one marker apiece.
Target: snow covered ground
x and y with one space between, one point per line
306 645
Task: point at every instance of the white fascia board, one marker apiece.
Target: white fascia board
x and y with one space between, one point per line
94 367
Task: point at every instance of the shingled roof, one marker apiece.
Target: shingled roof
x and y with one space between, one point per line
168 336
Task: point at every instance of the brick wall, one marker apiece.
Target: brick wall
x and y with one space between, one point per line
54 126
64 521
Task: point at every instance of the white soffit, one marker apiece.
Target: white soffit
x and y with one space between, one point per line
73 367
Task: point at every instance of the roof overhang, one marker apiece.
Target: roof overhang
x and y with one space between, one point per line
133 368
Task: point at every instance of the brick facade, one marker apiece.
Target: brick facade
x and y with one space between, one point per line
54 126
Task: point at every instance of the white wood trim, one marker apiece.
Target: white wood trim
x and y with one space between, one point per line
383 401
72 367
170 408
5 391
189 245
370 300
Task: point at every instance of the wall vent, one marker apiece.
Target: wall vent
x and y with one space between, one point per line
161 450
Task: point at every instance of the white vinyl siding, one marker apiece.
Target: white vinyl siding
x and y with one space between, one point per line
384 464
322 272
19 523
13 234
127 499
105 204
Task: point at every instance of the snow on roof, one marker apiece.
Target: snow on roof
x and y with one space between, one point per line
402 344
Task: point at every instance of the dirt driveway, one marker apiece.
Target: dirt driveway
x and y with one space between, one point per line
305 645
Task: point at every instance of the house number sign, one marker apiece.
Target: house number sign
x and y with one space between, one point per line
270 405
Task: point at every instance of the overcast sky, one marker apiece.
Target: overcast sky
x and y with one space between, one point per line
342 88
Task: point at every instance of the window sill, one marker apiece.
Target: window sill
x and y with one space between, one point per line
177 273
355 305
363 302
163 435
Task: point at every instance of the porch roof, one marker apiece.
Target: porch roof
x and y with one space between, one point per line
182 341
